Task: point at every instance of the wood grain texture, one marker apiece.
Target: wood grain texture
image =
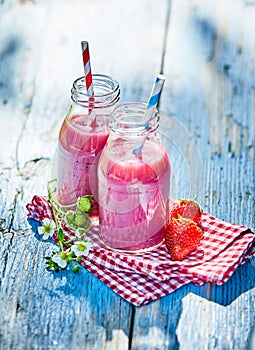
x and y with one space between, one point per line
206 50
40 58
210 92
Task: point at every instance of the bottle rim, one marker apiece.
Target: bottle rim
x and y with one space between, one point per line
129 119
109 87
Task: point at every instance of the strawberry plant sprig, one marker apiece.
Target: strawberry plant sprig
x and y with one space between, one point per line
70 250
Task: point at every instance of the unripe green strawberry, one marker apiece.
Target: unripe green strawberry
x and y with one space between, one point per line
84 204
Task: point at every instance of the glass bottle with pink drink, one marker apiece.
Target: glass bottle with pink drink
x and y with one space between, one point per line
82 137
133 187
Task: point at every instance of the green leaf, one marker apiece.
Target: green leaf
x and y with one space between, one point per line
61 235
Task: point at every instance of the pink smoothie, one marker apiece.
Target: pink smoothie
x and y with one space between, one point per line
79 148
133 194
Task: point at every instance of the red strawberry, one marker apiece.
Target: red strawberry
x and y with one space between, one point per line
182 236
188 209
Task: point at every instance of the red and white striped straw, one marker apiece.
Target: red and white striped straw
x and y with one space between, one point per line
87 67
88 80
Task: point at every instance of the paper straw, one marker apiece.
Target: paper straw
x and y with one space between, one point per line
87 67
88 80
152 103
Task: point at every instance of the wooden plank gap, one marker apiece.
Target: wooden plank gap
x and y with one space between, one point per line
131 332
33 167
8 232
18 192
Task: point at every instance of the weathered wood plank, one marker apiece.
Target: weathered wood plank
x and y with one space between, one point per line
43 310
210 87
40 58
210 70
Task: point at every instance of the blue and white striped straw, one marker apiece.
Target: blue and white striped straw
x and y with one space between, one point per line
152 103
156 91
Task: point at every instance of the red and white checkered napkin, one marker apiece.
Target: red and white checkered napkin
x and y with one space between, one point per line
142 278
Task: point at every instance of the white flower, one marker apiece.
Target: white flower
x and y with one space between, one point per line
81 248
47 228
60 259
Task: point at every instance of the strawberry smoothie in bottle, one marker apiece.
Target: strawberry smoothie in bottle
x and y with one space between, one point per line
82 137
133 188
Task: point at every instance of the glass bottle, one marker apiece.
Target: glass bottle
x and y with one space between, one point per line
133 187
82 137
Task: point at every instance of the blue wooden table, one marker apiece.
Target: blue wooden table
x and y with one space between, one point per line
206 49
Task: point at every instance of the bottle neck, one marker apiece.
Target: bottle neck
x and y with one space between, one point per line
133 119
106 92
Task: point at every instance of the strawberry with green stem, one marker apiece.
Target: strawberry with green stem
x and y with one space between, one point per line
187 208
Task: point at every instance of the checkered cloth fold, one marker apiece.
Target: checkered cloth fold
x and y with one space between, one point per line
144 277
